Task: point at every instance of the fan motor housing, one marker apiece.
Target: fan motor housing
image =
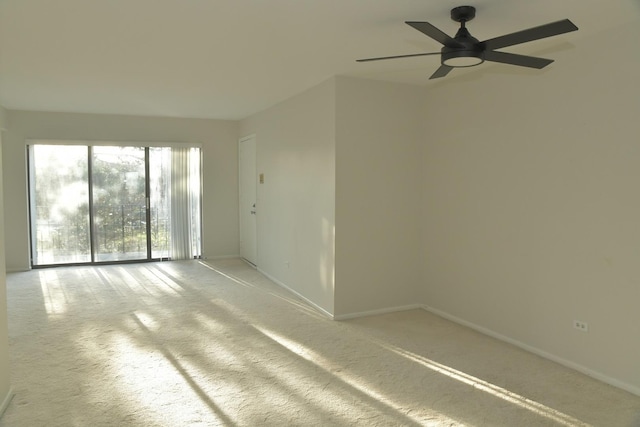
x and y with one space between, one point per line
470 54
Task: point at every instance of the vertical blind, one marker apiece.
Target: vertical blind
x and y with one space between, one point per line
181 204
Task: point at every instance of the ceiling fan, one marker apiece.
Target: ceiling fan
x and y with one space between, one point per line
464 50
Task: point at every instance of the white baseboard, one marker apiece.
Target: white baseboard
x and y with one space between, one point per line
249 263
342 316
6 401
213 258
569 364
377 311
296 293
17 270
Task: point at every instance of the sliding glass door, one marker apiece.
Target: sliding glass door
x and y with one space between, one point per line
96 204
119 203
59 183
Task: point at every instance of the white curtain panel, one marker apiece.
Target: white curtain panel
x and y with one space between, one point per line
181 245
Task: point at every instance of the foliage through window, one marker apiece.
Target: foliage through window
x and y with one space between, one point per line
112 203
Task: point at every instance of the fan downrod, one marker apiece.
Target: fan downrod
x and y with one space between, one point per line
463 14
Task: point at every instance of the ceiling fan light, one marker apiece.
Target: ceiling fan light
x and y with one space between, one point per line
462 58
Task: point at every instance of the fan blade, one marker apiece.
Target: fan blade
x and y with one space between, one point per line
513 59
531 34
434 33
397 56
441 72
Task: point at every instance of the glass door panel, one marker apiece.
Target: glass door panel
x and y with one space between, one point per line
119 203
59 204
160 201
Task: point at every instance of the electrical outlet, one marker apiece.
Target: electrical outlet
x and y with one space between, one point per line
581 326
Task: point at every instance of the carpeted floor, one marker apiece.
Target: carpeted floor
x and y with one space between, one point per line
195 344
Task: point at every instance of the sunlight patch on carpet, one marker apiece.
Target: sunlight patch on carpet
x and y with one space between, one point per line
342 376
53 293
492 389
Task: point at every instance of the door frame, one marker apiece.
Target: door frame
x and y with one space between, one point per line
252 257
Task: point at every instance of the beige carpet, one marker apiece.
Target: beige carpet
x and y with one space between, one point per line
190 344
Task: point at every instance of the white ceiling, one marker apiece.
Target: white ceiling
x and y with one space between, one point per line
228 59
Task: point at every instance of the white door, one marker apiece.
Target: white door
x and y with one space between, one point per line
247 181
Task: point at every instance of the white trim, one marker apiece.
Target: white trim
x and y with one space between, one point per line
246 138
378 311
569 364
213 258
249 263
6 401
17 270
305 299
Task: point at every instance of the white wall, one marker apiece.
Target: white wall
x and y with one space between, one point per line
347 149
5 380
220 166
296 204
532 204
378 197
